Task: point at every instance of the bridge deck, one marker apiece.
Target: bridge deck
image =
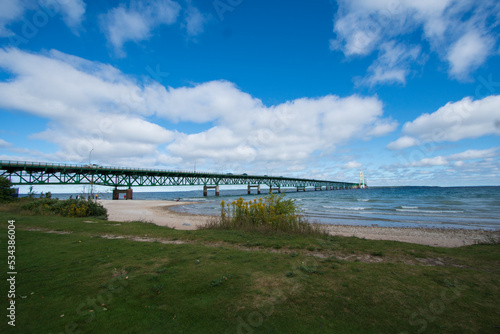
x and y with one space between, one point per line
38 173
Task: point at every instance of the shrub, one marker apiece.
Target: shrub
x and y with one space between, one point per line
66 208
6 190
272 213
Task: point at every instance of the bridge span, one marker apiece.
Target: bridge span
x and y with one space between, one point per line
40 173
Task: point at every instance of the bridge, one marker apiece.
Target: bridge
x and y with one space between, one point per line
40 173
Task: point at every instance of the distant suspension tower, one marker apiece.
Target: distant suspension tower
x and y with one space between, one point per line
362 181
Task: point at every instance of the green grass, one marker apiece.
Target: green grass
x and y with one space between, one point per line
241 282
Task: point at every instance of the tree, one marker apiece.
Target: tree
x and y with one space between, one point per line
6 190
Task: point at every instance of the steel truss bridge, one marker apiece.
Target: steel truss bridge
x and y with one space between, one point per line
40 173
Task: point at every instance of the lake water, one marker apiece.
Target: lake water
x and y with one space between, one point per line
437 207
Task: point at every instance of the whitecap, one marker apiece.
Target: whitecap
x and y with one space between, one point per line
429 211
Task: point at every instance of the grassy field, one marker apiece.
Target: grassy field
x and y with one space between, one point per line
84 275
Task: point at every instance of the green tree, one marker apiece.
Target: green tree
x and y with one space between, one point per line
6 190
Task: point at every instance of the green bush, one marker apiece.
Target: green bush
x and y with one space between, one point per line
6 190
66 208
272 213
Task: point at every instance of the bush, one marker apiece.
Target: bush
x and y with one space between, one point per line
272 213
6 190
66 208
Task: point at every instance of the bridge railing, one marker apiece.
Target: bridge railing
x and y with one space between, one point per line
58 165
36 164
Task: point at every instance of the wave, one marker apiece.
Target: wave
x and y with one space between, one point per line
409 207
363 199
429 211
355 208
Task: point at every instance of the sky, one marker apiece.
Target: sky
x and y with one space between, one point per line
407 92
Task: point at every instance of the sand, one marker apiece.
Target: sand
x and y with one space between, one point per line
158 212
155 212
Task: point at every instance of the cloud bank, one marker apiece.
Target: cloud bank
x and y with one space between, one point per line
94 105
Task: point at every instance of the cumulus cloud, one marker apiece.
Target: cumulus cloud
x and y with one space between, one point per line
94 105
86 103
288 132
469 52
135 22
462 33
402 143
453 122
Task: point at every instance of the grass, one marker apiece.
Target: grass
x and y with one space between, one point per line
219 281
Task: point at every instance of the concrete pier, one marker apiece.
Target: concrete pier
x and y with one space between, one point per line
128 193
301 189
205 190
271 189
318 188
253 186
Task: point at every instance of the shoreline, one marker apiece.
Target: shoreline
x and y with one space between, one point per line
158 212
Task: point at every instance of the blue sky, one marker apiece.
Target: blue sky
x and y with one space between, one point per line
405 91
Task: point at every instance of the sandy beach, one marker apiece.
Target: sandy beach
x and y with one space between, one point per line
158 212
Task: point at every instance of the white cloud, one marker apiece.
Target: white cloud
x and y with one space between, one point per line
461 32
10 10
352 165
203 103
4 144
469 52
382 127
88 105
402 143
473 154
430 162
71 11
458 159
195 21
93 105
135 23
453 122
393 64
288 132
456 121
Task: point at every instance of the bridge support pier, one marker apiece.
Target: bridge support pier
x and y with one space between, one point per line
116 193
318 188
253 186
301 188
205 190
271 190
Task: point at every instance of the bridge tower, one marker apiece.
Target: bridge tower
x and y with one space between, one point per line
361 180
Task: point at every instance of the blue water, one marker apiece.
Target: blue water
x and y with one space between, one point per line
453 207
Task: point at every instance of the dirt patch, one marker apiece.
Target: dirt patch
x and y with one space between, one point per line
139 239
46 231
